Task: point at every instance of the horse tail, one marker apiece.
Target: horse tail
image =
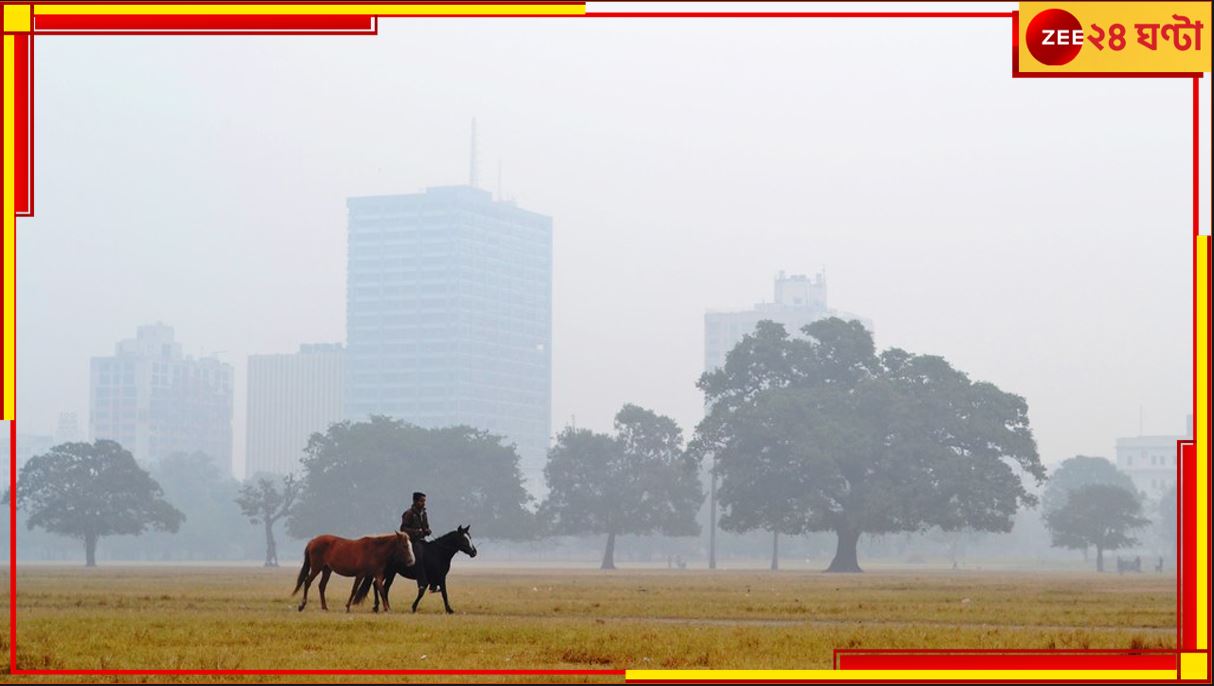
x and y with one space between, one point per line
361 595
303 572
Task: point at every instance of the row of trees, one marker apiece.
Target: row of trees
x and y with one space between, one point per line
184 503
820 433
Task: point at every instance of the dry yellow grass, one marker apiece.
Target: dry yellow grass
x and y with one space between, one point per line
244 618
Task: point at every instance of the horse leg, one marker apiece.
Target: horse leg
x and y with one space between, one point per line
307 585
442 587
353 590
324 581
387 587
421 591
379 585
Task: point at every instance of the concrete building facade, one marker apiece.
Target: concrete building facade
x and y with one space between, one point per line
291 396
798 300
1150 461
155 401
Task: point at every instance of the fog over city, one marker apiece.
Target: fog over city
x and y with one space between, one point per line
202 182
626 341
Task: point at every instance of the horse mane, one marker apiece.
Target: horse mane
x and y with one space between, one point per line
384 538
447 538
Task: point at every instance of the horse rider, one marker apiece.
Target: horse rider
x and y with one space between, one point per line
414 522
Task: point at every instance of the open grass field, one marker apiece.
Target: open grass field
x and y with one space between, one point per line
244 618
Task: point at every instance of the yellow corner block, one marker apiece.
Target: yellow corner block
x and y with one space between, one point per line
1194 666
17 18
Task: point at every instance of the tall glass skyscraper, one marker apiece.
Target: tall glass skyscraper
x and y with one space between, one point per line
449 315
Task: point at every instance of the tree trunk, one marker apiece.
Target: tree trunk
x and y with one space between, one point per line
775 551
1099 559
90 550
271 548
609 554
845 554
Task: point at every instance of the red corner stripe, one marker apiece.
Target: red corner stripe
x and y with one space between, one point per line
201 22
1188 551
1039 661
22 122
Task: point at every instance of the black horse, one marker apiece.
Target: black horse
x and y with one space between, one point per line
433 563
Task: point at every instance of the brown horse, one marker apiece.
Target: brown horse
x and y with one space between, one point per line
370 556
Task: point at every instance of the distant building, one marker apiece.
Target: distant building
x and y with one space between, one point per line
798 301
68 429
156 402
449 316
28 445
291 396
1150 461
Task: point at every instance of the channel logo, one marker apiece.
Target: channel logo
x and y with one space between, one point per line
1054 37
1130 37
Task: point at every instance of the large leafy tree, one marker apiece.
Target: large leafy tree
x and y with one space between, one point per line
1099 515
358 477
265 500
638 481
1077 472
822 433
90 490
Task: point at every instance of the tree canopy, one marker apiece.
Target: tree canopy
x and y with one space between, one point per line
823 433
91 490
1081 471
358 477
1100 515
638 481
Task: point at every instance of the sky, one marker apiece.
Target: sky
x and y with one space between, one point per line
1035 232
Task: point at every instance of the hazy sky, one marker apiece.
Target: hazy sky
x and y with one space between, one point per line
1035 232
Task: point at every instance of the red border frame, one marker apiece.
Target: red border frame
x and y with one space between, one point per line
368 25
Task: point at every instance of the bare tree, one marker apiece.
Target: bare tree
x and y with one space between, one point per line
263 502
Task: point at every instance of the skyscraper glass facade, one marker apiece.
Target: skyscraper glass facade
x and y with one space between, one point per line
449 315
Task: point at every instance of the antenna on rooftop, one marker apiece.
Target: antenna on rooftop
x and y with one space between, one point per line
473 179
